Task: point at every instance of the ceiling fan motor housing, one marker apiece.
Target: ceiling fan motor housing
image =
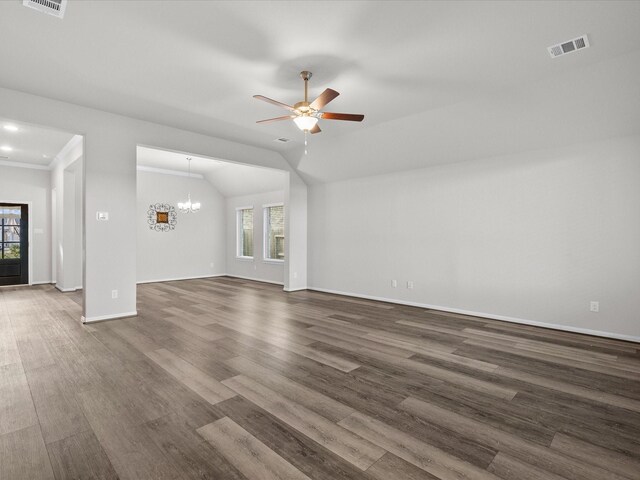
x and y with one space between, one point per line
303 107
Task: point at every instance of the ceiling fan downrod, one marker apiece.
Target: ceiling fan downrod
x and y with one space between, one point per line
305 75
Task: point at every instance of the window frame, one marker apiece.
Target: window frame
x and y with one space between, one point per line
240 231
266 226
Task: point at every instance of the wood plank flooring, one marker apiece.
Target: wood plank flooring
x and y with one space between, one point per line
231 379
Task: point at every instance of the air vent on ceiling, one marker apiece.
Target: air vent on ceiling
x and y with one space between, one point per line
2 156
568 47
282 140
50 7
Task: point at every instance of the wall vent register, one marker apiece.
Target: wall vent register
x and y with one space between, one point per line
570 46
55 8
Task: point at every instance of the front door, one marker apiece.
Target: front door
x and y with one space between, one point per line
14 244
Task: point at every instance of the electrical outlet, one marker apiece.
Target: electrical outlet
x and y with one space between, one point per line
410 285
594 306
295 274
212 264
394 283
114 293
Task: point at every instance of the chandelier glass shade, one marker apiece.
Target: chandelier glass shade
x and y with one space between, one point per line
189 206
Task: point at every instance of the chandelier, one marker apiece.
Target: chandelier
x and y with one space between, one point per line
188 206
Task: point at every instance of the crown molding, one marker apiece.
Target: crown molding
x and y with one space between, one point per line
75 141
163 171
33 166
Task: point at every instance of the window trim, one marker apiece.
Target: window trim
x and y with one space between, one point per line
265 232
239 233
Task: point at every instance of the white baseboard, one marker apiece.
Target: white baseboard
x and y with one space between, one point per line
52 282
533 323
295 289
102 318
255 279
173 279
67 290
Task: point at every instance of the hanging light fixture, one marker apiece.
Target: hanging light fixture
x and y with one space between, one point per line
305 122
188 206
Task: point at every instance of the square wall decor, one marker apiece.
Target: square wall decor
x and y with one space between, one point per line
162 217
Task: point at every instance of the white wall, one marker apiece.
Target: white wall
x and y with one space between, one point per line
258 268
79 212
110 143
296 227
30 185
533 237
66 269
198 239
66 183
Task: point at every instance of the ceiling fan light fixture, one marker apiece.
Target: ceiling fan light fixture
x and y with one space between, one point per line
305 122
304 114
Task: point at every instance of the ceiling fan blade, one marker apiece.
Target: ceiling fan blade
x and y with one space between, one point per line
342 116
276 119
324 98
315 129
273 102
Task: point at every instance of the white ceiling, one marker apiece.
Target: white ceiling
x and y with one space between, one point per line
230 179
30 144
584 105
195 65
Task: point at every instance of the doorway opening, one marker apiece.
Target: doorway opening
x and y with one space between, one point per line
239 229
41 207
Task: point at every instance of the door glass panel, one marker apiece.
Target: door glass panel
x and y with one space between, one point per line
8 213
9 232
11 250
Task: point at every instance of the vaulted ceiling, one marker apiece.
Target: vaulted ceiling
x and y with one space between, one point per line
230 179
438 81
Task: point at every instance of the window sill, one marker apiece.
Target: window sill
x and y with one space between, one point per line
273 260
244 259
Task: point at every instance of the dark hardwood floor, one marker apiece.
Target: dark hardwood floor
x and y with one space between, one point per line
231 379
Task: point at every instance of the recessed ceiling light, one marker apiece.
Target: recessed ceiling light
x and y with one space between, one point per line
6 148
11 128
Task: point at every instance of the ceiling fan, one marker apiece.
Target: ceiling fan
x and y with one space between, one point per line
306 115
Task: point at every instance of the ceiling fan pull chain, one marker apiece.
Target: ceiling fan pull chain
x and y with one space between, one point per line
306 132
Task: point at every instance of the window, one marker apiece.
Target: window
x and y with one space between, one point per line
274 232
245 232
